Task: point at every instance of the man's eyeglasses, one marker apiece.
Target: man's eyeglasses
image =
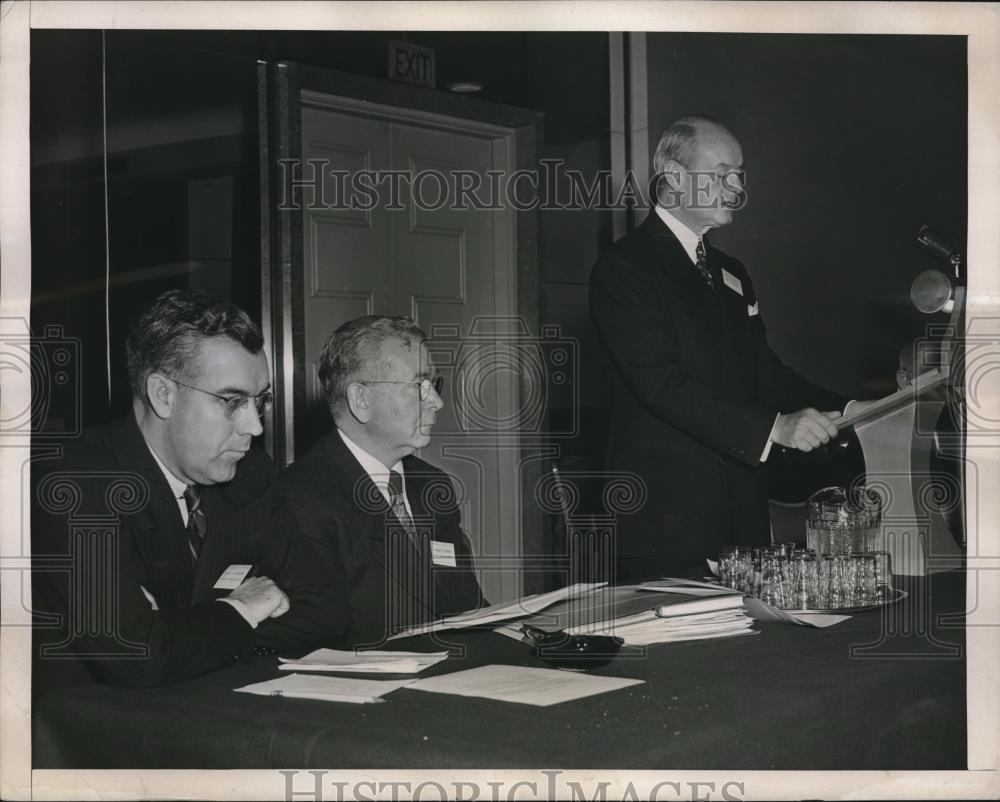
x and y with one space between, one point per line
425 385
235 404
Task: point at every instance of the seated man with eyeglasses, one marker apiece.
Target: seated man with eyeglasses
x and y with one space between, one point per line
150 564
385 523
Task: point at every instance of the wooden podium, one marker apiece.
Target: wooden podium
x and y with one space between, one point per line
897 435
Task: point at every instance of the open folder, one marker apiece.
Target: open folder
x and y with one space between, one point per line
504 611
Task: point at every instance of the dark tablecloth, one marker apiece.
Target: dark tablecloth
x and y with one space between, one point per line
884 690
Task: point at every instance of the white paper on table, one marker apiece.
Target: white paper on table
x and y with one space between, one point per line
655 638
503 611
818 620
326 689
765 612
689 587
372 662
531 686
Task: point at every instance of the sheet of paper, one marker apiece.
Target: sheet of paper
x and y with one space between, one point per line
683 585
326 689
504 611
689 587
653 639
765 612
530 686
363 662
818 620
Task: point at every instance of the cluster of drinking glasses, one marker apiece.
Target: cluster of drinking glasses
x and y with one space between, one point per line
797 579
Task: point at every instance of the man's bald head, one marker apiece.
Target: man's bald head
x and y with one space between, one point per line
679 142
699 173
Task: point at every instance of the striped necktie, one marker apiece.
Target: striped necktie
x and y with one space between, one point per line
197 523
702 264
398 504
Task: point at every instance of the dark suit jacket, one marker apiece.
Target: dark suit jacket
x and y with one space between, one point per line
364 552
696 393
107 504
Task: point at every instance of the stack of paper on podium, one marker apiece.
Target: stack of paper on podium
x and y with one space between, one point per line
642 618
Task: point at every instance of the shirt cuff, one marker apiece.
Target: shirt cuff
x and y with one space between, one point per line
242 609
770 440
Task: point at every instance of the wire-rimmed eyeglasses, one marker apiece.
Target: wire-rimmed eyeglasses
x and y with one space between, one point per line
437 383
235 404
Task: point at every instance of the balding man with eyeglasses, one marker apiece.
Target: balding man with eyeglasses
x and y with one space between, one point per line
385 523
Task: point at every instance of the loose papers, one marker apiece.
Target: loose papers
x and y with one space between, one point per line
372 662
530 686
326 689
642 619
503 611
765 612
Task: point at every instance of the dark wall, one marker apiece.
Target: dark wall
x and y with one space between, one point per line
182 208
850 143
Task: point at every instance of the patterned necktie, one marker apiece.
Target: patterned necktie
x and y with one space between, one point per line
398 504
702 264
197 522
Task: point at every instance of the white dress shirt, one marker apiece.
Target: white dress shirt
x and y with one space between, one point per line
687 238
377 472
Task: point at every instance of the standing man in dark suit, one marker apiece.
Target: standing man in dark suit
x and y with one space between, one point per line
384 522
699 397
151 510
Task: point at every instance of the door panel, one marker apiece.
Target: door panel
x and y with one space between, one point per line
445 267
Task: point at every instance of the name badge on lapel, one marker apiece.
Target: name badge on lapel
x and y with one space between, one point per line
443 553
232 577
731 281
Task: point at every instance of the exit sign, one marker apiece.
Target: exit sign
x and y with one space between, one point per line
411 63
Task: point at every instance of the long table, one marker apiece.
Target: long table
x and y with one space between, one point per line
883 690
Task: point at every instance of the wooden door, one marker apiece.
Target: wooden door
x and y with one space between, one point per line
469 277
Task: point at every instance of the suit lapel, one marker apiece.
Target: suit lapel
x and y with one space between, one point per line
158 530
369 517
215 549
416 482
683 282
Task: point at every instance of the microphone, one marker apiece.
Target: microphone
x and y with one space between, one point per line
931 292
937 247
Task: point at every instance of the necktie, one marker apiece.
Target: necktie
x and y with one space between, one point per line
197 522
702 264
398 504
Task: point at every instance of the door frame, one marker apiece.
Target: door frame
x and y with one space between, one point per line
281 86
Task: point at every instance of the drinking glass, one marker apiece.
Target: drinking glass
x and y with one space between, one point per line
862 579
773 573
883 576
803 581
734 566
